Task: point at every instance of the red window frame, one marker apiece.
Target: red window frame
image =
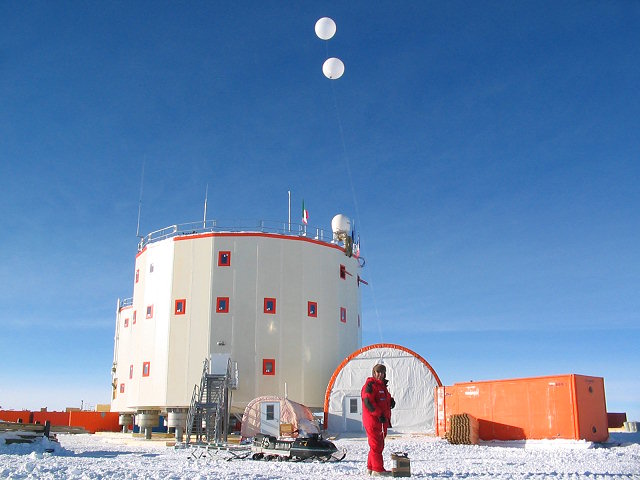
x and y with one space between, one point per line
312 309
146 369
122 388
183 310
266 301
343 272
126 322
343 315
133 322
265 366
220 308
221 260
137 274
130 371
149 311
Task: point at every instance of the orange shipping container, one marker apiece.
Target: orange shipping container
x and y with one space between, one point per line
561 406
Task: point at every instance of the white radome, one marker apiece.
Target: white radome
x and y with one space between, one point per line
333 68
325 28
341 224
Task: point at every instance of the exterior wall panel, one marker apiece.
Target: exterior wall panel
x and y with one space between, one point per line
292 270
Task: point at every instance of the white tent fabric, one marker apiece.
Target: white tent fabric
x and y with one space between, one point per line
298 415
412 383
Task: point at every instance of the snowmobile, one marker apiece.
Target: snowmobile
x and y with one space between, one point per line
268 447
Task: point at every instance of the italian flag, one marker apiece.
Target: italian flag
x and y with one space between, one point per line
305 214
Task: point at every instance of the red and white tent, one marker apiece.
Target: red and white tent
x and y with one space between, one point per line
265 415
412 383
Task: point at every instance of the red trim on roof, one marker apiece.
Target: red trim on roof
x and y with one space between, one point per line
141 251
358 352
256 234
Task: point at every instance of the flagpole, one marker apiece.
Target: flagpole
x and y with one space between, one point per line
304 220
289 192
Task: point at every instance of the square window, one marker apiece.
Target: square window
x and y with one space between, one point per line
343 272
151 268
353 405
343 315
122 388
130 371
134 317
270 305
146 367
222 305
312 309
137 275
268 366
181 306
149 311
224 258
271 411
126 322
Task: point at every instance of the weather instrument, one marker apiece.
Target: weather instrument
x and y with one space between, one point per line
333 68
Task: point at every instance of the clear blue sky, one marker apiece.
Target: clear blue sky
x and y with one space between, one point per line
494 152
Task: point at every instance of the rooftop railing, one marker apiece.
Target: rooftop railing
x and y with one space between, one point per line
125 302
262 226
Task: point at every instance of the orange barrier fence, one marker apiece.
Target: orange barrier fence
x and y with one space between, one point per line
561 406
92 422
57 419
95 421
21 416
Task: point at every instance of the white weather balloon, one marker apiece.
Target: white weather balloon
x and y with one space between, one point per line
333 68
325 28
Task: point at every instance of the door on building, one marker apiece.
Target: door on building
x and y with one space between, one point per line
270 418
352 414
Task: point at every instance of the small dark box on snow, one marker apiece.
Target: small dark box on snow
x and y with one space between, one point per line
401 465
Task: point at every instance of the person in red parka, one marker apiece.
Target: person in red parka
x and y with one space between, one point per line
376 417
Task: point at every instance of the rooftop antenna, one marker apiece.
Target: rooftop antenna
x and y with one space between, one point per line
289 192
140 199
204 218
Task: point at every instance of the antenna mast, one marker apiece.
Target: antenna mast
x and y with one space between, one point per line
204 218
289 192
140 199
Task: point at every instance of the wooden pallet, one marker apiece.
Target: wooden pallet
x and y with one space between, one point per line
26 432
463 429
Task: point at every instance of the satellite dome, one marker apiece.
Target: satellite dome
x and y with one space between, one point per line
341 226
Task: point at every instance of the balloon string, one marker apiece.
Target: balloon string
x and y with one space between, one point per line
353 193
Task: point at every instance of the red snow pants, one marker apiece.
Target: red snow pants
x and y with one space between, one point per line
375 435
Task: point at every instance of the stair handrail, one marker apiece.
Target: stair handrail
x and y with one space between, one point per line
192 413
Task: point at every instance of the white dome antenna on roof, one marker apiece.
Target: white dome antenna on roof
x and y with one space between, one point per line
341 228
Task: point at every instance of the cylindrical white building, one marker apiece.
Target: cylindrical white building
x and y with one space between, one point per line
285 307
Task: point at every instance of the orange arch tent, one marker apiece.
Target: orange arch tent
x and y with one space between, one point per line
412 383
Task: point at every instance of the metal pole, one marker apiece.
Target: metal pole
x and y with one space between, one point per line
204 219
144 160
289 191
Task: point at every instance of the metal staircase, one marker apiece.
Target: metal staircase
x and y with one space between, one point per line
208 417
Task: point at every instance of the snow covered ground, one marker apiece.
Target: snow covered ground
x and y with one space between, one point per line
118 456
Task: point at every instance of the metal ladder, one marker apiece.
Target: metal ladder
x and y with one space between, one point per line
208 417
